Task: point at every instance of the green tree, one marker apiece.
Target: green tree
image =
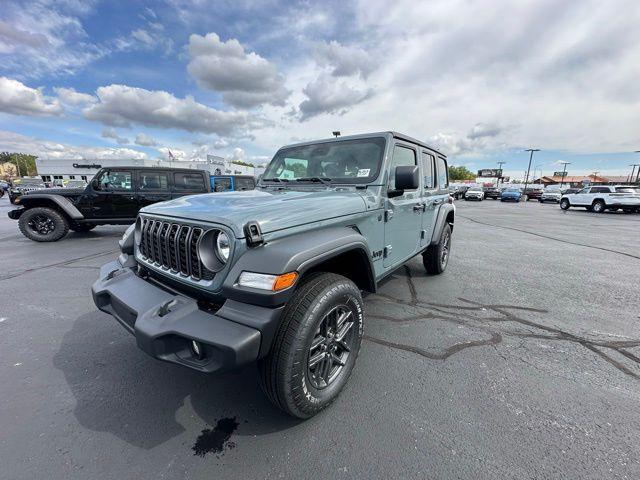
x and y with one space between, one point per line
25 163
460 173
240 162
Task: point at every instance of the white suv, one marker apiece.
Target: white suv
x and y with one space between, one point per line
604 197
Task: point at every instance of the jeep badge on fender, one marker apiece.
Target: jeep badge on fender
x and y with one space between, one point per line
274 275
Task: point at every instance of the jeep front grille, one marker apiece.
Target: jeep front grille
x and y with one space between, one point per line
173 247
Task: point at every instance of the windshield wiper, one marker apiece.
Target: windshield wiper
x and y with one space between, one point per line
275 179
323 180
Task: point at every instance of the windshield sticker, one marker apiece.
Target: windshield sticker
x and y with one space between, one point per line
364 172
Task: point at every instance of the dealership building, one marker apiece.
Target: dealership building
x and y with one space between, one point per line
59 169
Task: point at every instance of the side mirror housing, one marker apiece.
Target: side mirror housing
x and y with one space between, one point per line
407 177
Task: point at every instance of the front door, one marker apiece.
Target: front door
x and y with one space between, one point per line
403 214
153 187
114 195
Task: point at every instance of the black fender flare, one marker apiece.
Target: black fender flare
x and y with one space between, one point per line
299 253
440 222
61 202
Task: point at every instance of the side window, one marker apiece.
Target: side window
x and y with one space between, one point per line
402 156
188 181
443 174
600 190
428 167
584 190
222 184
245 184
115 180
154 180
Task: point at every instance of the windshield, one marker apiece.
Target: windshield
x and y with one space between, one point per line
512 190
346 161
475 189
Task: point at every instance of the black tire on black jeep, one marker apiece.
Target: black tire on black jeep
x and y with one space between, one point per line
316 346
81 227
42 224
436 257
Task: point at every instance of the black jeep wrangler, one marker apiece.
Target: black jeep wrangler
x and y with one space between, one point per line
113 197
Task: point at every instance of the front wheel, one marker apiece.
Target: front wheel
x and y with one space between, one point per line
436 258
564 204
316 346
42 224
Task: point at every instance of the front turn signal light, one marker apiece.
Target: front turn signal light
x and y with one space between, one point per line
264 281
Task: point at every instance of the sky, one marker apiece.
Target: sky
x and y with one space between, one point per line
480 80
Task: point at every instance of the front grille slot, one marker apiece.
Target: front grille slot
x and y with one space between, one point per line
173 247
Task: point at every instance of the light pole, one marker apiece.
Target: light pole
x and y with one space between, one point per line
564 172
526 178
638 174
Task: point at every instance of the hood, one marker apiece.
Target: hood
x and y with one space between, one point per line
272 209
511 194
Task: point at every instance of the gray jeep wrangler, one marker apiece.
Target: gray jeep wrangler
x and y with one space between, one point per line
274 275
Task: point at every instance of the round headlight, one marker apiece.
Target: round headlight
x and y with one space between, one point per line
222 247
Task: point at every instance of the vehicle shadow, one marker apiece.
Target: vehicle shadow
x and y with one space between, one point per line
120 390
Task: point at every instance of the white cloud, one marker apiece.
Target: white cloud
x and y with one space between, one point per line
120 105
345 60
326 95
39 38
70 96
245 80
18 99
111 133
145 140
14 142
220 143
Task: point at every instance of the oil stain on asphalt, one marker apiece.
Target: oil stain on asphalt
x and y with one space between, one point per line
216 440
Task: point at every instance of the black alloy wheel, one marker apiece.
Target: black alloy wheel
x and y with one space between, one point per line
331 346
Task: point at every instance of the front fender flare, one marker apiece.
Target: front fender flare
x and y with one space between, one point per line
300 253
62 202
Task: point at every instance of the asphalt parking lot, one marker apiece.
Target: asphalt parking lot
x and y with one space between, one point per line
521 361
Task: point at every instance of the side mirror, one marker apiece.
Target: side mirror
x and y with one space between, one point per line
407 177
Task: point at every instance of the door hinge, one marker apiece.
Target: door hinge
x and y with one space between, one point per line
387 251
388 215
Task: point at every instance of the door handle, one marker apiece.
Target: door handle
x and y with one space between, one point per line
437 201
419 207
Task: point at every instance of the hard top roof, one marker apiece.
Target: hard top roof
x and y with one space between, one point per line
399 136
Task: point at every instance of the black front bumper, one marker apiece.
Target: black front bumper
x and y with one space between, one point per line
165 323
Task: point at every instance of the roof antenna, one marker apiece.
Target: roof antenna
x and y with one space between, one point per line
336 133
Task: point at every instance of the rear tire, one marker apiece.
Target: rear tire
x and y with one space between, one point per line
286 374
599 206
436 258
42 224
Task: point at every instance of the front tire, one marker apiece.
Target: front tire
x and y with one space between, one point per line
316 346
436 258
42 224
564 204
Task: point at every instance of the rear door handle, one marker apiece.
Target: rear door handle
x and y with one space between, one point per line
419 207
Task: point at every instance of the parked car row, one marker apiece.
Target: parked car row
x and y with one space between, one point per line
593 198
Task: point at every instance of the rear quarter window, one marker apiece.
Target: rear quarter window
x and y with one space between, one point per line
188 182
443 174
